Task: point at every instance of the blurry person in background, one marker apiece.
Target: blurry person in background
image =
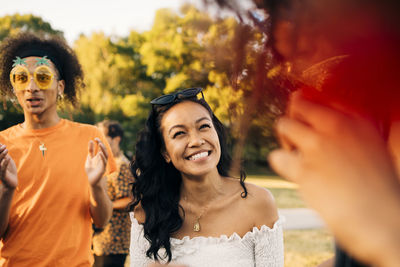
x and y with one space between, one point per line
340 133
111 244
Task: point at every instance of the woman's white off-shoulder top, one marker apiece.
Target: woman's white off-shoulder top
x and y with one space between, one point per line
260 247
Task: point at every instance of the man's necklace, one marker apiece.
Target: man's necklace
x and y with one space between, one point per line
42 146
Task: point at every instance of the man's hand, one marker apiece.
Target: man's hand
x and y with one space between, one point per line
8 170
95 165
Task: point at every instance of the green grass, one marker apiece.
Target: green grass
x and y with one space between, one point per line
287 198
306 248
285 193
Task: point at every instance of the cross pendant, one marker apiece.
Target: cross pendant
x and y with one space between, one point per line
42 148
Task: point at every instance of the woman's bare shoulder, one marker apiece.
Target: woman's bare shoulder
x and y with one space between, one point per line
261 204
256 195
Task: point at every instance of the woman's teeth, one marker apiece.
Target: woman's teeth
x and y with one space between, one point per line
199 155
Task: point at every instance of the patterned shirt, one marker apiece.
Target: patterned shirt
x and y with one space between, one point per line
115 237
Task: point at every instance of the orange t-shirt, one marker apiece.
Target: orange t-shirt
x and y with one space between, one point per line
50 221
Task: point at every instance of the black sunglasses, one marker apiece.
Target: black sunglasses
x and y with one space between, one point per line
168 99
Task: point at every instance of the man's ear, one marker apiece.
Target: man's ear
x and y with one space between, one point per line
61 86
166 156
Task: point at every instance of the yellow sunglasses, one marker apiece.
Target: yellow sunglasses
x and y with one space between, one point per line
20 77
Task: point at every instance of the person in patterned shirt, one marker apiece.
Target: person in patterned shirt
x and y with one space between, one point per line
111 245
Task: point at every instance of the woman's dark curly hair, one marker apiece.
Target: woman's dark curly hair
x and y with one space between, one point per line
157 183
66 63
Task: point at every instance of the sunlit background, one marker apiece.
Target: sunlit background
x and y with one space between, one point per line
132 51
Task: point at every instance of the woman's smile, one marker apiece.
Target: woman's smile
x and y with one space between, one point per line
199 156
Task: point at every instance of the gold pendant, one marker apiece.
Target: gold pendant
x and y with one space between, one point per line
196 226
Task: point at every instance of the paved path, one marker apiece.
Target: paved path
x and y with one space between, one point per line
301 218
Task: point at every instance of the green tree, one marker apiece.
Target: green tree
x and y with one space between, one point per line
12 24
192 49
117 84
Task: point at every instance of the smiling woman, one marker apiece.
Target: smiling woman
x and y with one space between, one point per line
187 208
191 143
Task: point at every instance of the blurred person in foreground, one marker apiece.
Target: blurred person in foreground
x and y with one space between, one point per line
340 134
111 244
51 169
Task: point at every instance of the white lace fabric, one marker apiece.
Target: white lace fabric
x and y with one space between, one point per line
260 247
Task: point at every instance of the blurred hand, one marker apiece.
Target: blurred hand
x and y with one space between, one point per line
344 171
95 165
8 170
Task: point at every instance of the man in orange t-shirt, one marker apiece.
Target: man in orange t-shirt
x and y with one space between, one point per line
51 186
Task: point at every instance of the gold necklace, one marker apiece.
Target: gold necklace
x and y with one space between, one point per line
196 224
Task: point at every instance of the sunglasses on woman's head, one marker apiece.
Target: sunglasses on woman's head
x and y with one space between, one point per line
170 98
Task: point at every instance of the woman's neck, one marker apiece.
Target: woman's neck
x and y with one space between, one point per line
40 122
202 190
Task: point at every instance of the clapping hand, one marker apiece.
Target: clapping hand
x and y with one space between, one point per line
95 165
8 170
